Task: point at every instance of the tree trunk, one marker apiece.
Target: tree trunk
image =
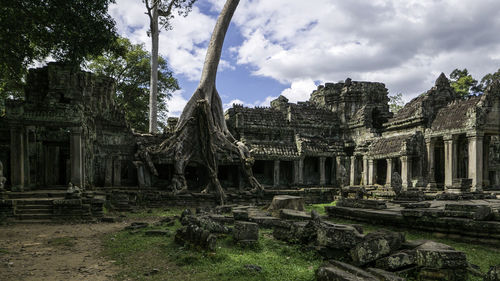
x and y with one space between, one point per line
153 87
201 133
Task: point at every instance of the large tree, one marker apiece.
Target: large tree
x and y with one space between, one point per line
489 78
160 13
201 133
463 83
65 30
130 66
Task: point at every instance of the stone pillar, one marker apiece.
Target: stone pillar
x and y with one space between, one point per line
300 166
486 161
354 170
476 161
27 180
431 164
338 170
388 177
117 172
17 158
450 160
371 172
364 178
76 157
406 172
276 174
322 174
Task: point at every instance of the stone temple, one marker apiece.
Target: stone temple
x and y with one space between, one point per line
69 130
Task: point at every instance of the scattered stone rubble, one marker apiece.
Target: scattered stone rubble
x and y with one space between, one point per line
349 254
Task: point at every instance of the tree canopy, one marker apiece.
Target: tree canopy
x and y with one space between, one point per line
130 67
463 83
396 102
32 30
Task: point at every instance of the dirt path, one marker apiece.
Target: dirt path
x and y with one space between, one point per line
55 252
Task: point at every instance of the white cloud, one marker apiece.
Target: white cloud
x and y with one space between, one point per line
176 104
300 90
405 44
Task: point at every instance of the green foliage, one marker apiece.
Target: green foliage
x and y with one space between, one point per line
320 208
65 30
130 66
489 78
396 102
463 83
166 8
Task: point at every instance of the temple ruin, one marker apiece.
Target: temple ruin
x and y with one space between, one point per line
69 130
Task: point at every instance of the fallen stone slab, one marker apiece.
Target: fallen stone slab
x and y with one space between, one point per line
248 231
362 203
376 245
222 218
205 222
384 275
286 202
338 236
267 222
289 214
418 205
195 235
339 271
397 261
493 274
437 255
240 215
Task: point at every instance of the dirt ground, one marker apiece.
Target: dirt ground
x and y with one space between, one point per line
55 251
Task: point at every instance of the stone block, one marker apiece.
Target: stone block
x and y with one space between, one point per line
338 236
493 274
376 245
397 261
240 215
383 275
286 202
436 255
339 271
246 231
289 214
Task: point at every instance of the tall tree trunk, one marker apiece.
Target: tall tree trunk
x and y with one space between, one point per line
153 87
201 133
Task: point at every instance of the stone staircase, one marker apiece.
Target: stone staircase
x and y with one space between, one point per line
50 205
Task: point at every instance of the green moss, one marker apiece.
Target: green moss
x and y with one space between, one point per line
320 208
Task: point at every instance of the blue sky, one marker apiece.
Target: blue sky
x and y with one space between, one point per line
289 47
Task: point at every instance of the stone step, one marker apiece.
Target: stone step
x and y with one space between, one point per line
36 194
34 216
34 207
38 221
34 211
33 201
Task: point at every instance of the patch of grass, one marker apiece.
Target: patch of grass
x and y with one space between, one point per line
138 255
320 208
3 251
68 242
479 254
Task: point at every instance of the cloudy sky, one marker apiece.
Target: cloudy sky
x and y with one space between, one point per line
289 47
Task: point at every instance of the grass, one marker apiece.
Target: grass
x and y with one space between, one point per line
3 251
68 242
140 256
320 208
143 257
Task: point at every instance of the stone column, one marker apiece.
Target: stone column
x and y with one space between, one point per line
322 174
388 177
300 171
17 158
371 172
364 178
353 170
117 172
406 172
276 175
476 161
431 164
76 157
27 180
486 161
450 160
338 170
